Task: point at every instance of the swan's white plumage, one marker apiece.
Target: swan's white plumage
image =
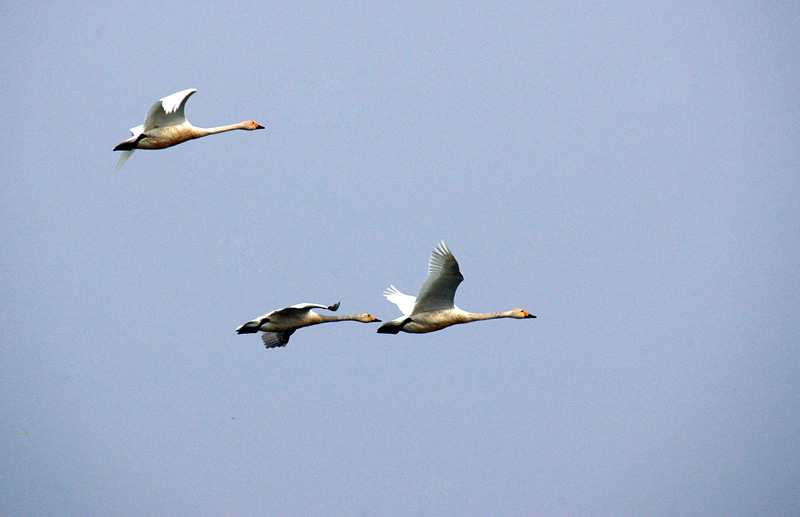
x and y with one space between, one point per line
277 326
439 290
165 125
404 302
168 111
434 307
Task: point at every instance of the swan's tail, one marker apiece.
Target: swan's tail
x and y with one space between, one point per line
251 327
128 146
391 327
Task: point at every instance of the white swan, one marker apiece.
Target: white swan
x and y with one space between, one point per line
278 325
165 125
434 308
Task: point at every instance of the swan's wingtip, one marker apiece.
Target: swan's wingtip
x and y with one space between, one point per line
391 291
123 158
184 93
441 250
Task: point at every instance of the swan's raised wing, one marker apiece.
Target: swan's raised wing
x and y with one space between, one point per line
305 307
168 111
439 290
404 302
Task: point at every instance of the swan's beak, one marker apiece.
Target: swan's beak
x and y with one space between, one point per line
374 320
528 314
259 126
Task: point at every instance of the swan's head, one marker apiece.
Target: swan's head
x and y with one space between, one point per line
250 125
521 314
367 318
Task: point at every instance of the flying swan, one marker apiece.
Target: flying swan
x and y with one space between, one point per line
434 308
165 125
278 325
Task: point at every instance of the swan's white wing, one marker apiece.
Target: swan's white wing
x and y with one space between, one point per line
404 302
124 155
168 111
135 132
276 339
439 290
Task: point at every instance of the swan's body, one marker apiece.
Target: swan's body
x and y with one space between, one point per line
165 125
434 308
279 325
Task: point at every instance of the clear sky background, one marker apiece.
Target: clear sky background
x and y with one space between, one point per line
628 172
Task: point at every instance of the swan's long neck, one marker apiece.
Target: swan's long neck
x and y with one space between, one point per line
477 316
202 131
325 318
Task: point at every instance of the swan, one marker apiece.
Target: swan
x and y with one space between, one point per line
278 325
165 125
434 308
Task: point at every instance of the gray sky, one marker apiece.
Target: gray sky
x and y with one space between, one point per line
628 173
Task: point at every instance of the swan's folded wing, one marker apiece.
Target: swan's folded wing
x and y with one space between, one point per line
439 290
276 339
404 302
168 111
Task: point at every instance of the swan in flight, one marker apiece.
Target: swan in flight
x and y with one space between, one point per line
165 125
434 308
278 325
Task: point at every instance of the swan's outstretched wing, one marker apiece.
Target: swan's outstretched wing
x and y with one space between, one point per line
276 339
305 307
123 157
439 290
404 302
168 111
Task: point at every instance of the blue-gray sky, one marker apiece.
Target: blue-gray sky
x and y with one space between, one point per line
627 172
